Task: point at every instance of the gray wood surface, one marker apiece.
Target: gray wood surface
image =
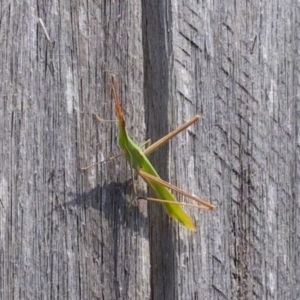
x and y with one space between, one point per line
68 234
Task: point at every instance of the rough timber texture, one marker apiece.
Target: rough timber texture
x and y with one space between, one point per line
236 64
67 234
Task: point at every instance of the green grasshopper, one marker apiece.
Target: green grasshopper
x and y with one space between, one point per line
137 159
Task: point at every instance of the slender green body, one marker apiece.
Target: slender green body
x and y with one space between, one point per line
138 161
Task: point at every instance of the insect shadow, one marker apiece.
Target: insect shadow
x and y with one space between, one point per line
113 202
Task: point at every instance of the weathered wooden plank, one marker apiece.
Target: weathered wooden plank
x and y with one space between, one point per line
233 62
67 234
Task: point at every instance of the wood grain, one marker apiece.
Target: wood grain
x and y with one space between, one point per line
235 65
68 234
